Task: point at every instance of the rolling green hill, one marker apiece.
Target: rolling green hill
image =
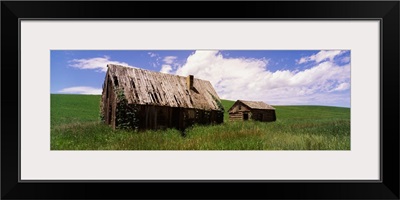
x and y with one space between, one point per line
75 124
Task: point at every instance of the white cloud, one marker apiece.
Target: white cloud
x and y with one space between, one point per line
249 79
320 56
169 59
342 86
166 69
98 64
152 54
170 64
81 90
345 59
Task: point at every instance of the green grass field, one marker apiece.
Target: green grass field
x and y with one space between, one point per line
75 125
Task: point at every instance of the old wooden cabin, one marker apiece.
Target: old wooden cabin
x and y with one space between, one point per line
143 99
256 110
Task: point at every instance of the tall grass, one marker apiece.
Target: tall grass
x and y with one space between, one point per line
296 128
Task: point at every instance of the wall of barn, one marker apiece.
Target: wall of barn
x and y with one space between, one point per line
152 116
239 115
263 115
161 117
239 107
258 115
104 101
235 116
108 102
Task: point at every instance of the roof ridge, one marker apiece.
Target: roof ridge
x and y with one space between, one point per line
252 101
131 67
248 103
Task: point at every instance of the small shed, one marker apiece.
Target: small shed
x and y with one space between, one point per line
256 110
144 99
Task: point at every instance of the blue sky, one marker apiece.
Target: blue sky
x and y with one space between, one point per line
277 77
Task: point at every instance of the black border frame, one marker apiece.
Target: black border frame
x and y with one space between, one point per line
386 11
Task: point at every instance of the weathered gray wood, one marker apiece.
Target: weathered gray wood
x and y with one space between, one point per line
155 117
256 110
167 90
157 94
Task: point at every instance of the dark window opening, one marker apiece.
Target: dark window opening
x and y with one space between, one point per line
152 97
240 107
137 96
245 116
156 98
133 84
115 80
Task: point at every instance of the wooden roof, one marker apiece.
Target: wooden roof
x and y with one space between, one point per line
254 105
257 105
147 87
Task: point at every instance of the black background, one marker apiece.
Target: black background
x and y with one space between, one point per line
387 189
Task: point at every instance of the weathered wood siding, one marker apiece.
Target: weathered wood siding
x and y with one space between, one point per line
239 107
161 117
153 88
236 116
108 102
254 110
258 115
263 115
162 100
237 111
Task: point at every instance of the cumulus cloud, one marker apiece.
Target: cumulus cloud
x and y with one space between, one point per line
342 86
249 79
166 69
320 56
151 54
98 64
170 64
169 59
81 90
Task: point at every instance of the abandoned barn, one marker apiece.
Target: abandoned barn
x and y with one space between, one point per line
256 110
143 99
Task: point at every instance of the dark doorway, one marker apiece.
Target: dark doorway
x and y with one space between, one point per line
176 118
245 116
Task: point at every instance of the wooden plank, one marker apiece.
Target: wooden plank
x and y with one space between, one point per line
170 117
147 116
113 112
168 90
155 109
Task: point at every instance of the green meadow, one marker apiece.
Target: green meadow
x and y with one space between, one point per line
75 125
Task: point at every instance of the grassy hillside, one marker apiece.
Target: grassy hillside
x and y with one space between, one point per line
227 104
69 109
75 125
